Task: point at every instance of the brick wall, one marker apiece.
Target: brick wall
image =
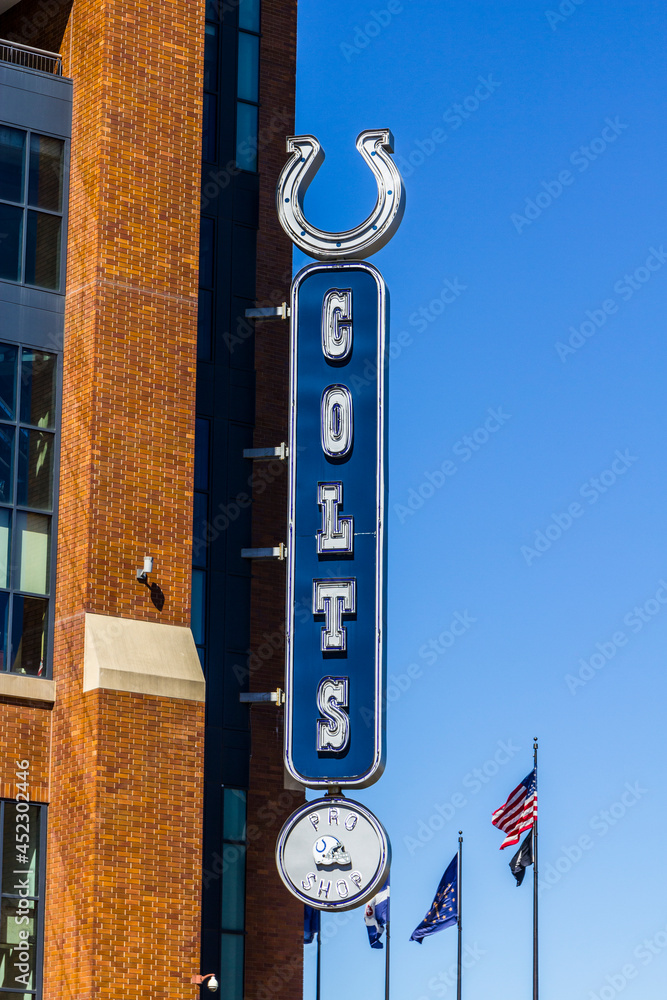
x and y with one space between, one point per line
274 919
124 869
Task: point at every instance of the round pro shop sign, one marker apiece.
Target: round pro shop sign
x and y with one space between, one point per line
333 854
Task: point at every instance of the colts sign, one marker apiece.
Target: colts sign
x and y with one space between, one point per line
336 544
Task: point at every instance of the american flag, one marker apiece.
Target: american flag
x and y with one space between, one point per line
519 812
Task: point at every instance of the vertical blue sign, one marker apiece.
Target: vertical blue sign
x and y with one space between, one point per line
335 670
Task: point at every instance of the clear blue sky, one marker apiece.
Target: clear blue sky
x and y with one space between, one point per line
556 323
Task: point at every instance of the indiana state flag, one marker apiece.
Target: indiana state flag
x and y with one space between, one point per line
445 907
377 916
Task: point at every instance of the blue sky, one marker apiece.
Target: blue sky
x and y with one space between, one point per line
540 199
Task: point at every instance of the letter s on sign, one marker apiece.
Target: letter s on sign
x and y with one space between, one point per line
333 730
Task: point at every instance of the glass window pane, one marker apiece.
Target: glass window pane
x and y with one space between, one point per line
42 260
198 611
213 9
4 630
38 388
29 619
11 226
231 960
248 74
10 941
202 431
8 355
45 176
209 129
6 463
12 163
233 887
32 552
20 850
246 136
234 814
35 474
5 539
211 57
206 244
205 325
200 529
249 14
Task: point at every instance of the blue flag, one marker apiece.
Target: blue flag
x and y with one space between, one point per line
445 907
377 916
311 923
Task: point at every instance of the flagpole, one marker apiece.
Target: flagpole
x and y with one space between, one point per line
536 983
458 922
319 945
386 963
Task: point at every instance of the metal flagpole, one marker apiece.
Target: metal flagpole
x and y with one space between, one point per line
386 964
536 981
458 922
319 946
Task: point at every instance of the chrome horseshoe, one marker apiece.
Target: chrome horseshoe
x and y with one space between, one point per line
375 145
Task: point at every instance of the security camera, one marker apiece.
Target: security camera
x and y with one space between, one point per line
212 984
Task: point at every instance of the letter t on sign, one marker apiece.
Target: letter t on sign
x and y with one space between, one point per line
333 599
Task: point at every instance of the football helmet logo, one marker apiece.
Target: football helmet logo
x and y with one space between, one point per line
330 851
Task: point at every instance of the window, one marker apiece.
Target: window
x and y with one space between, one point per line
31 207
206 286
247 85
233 892
27 489
200 534
22 832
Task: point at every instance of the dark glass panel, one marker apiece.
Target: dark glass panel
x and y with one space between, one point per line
38 388
198 611
205 325
12 163
249 14
209 145
200 529
29 619
4 630
231 960
206 243
246 136
35 472
11 226
248 71
45 176
202 431
234 814
20 849
8 356
42 259
233 887
6 463
211 57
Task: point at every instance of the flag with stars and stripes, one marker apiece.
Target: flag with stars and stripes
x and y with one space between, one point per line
445 907
519 813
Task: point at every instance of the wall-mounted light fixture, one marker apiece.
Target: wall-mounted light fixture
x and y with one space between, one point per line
142 574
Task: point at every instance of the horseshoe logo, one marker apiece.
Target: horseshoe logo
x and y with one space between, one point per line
375 145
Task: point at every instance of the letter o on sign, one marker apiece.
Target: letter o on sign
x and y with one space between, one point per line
336 421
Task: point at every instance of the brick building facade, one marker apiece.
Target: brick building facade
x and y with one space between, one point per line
137 173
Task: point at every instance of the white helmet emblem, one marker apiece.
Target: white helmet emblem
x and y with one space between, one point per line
330 851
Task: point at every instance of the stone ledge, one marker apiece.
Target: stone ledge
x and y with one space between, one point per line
26 688
123 654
